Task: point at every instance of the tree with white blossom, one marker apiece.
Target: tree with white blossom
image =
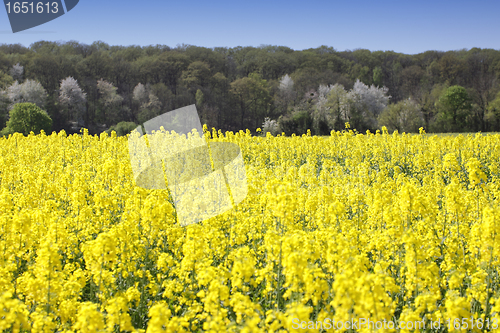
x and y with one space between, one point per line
360 106
370 101
270 125
72 97
17 72
149 104
140 94
321 114
30 91
286 93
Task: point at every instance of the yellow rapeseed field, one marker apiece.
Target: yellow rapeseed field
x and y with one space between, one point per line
380 227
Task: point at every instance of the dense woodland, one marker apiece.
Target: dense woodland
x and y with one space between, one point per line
271 87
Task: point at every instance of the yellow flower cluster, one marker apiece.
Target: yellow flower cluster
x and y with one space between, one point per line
380 226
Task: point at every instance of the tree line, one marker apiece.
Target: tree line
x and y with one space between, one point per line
274 88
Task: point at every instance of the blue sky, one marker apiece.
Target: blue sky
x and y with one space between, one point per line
402 26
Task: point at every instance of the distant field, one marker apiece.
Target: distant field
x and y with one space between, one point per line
464 134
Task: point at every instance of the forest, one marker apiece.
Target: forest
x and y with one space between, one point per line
268 88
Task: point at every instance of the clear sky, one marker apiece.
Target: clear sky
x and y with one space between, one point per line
399 25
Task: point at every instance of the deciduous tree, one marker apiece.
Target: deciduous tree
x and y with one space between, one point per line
149 104
17 72
109 102
252 95
27 117
454 107
340 104
369 101
286 94
72 97
403 116
29 91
